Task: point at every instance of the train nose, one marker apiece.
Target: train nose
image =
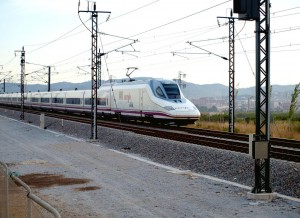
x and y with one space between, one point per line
187 111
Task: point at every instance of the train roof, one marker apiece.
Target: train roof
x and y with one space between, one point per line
137 82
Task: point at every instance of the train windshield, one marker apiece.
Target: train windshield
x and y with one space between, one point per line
172 91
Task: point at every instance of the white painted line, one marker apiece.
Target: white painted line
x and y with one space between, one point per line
178 171
187 172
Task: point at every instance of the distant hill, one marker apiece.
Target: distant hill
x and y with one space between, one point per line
191 91
194 91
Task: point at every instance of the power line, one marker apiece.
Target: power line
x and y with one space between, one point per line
182 18
276 12
129 12
246 55
55 40
177 20
56 63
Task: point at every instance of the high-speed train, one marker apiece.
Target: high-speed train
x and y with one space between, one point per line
154 100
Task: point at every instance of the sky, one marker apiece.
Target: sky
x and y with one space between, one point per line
53 33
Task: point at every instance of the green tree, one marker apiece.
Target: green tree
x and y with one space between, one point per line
294 106
213 109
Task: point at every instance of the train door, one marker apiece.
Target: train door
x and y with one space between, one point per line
110 98
148 106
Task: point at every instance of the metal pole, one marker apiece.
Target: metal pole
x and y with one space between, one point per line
231 99
262 165
231 74
49 75
29 207
35 198
22 82
94 68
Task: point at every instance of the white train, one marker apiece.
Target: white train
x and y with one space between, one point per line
159 101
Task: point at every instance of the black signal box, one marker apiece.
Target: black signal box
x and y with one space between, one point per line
247 9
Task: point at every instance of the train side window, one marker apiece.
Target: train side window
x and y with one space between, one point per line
73 101
160 93
101 101
45 100
34 99
87 101
57 100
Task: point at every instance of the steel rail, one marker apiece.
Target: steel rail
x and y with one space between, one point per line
280 148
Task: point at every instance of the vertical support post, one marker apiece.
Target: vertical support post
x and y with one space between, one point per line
22 82
99 67
231 74
29 208
42 121
49 77
94 67
179 79
262 165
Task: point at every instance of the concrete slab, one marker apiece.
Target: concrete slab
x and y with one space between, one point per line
262 196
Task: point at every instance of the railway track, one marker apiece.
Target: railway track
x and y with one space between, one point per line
283 149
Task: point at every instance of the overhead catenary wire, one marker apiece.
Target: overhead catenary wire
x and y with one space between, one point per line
176 20
55 40
134 10
142 54
237 35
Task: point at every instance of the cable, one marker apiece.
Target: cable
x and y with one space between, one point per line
285 15
285 10
245 54
57 39
182 18
111 87
132 11
83 22
71 57
241 29
174 21
8 62
120 37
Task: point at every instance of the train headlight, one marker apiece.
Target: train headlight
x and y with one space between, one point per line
169 108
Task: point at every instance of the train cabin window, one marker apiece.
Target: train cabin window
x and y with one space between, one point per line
87 101
34 99
160 93
102 101
172 91
57 100
73 101
45 100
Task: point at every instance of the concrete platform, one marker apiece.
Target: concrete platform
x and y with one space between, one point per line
83 179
